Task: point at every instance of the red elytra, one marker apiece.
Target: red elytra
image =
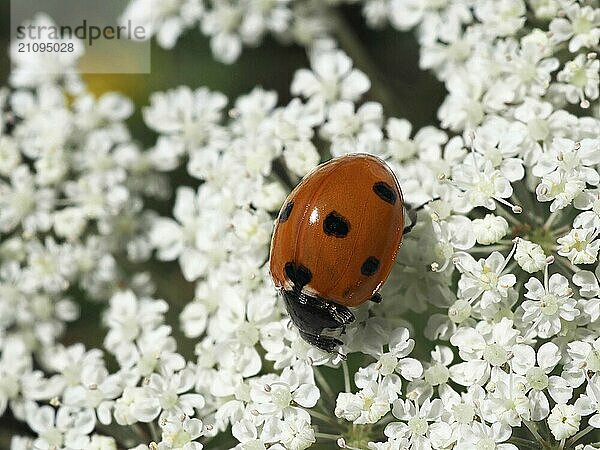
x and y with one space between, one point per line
336 238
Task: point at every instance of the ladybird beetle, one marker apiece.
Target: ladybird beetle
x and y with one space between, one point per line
335 242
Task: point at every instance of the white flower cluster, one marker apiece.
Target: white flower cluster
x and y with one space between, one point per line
72 227
500 273
231 24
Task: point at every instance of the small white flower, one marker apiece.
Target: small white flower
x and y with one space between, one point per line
353 131
572 158
128 316
482 347
548 304
50 266
563 421
296 433
177 239
332 78
223 24
589 290
442 20
98 442
165 20
502 17
248 435
10 157
499 141
482 186
530 256
483 280
171 392
584 357
15 361
97 391
482 436
38 68
581 27
400 147
435 374
180 432
506 403
462 108
301 157
274 396
528 66
579 245
366 406
537 377
560 188
136 405
70 223
23 203
66 426
419 424
490 229
188 117
580 79
589 403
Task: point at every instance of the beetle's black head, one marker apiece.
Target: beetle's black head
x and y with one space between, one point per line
319 321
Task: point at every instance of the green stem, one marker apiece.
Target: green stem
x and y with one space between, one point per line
579 435
524 442
141 433
379 91
327 436
346 376
562 230
324 384
323 417
488 248
153 432
533 429
507 215
323 408
510 267
551 219
566 264
107 430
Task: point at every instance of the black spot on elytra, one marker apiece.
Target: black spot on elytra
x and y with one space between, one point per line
385 192
298 274
285 212
336 225
370 266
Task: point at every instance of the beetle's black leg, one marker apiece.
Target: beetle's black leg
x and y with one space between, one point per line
376 298
326 343
412 214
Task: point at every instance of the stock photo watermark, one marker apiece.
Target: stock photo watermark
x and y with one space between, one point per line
56 36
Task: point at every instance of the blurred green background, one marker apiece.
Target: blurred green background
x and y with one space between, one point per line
386 55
